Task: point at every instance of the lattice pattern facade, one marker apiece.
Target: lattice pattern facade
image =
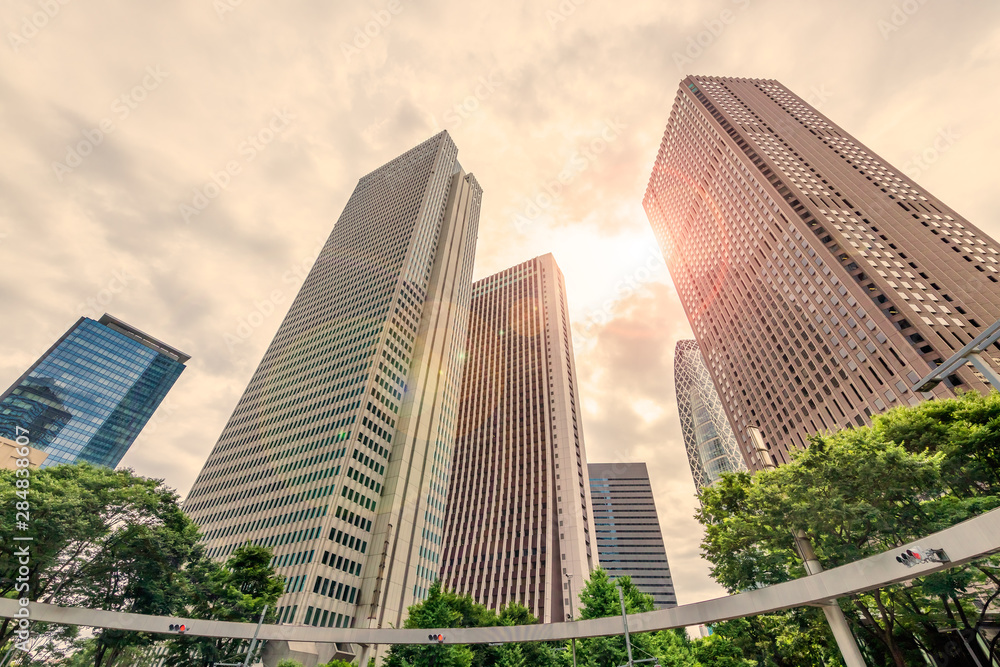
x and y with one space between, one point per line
337 455
708 438
519 508
820 282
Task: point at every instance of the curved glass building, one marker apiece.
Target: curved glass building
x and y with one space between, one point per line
708 438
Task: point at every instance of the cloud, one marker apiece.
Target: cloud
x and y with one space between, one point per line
562 80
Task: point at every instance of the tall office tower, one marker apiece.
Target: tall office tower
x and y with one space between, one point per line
820 281
518 517
708 438
89 395
338 453
629 541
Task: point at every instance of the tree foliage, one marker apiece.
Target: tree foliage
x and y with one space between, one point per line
858 492
111 540
446 609
235 591
790 638
600 599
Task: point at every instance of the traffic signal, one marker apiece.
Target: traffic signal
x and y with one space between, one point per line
917 555
178 627
436 638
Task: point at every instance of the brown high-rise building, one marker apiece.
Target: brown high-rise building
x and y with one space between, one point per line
518 517
820 281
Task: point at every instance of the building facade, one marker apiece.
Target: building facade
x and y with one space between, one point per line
708 438
337 455
629 541
518 514
819 280
90 394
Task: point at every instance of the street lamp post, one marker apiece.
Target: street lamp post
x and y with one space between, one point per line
831 609
628 642
569 584
253 645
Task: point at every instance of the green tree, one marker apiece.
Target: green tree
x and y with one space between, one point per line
83 656
790 638
446 609
965 430
859 492
236 591
439 610
339 663
536 654
599 599
511 655
965 433
717 652
102 538
674 648
108 539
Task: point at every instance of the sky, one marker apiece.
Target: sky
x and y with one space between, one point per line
179 165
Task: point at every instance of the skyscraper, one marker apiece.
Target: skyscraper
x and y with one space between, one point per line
820 281
708 438
338 453
518 517
89 395
629 541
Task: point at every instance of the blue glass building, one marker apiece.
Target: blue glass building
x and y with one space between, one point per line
87 398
